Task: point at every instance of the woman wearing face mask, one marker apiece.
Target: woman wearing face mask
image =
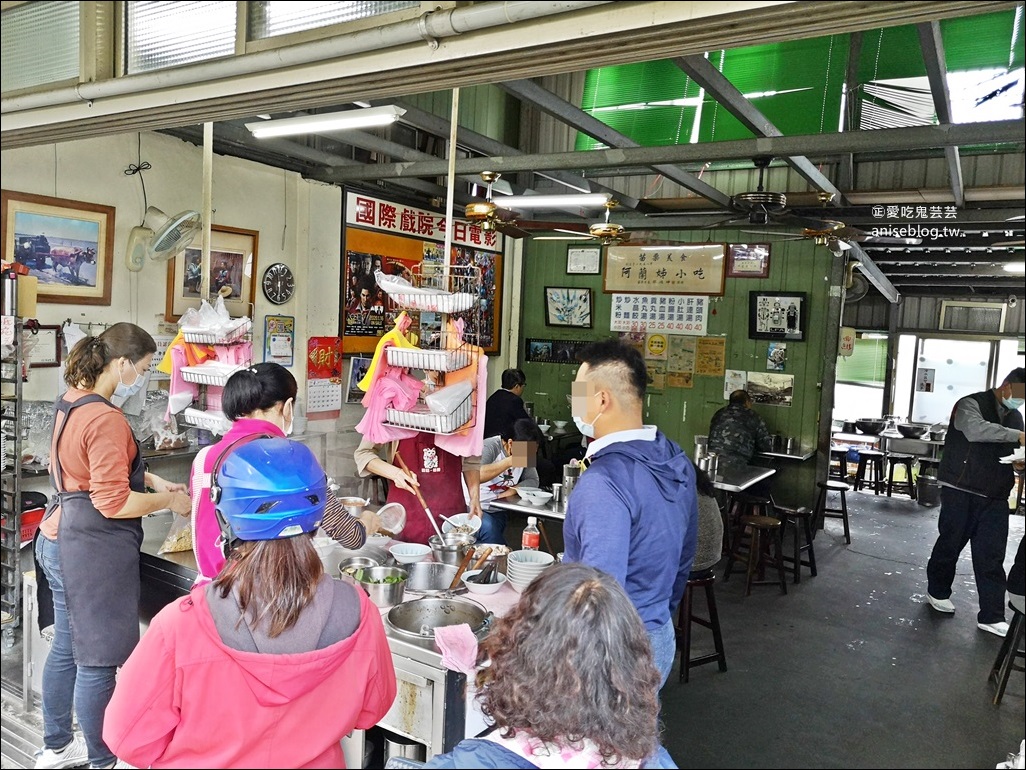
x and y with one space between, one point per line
87 549
259 400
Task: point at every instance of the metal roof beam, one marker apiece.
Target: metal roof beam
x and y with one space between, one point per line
967 271
846 167
439 126
912 138
932 45
701 70
874 275
564 111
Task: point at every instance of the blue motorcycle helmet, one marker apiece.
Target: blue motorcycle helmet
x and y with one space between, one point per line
267 488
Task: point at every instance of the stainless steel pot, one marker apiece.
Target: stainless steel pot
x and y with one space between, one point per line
421 617
428 577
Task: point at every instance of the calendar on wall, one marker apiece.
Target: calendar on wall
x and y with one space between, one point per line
669 313
323 377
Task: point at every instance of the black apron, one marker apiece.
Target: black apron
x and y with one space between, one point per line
99 559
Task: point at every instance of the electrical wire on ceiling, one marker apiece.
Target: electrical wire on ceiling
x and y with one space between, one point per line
133 169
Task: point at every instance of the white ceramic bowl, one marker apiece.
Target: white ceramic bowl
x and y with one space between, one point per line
378 541
462 520
534 496
409 553
544 428
543 558
483 588
560 424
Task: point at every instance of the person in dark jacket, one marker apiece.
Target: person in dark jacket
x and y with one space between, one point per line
984 427
506 405
570 681
736 432
634 511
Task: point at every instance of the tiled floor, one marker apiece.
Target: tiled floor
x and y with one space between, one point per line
849 669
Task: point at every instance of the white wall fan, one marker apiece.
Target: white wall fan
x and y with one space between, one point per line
160 237
856 286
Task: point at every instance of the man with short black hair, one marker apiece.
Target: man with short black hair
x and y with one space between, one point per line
737 432
505 406
634 510
984 428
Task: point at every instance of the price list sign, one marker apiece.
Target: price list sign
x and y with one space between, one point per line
667 313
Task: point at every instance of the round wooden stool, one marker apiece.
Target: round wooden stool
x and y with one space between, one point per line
870 464
822 511
895 460
686 616
758 551
801 520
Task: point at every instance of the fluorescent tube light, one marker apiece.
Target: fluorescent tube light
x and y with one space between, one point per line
324 122
1015 267
584 201
581 237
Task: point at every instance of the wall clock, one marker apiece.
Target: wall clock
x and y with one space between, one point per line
279 284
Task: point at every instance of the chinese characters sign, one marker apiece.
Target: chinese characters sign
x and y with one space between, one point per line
659 313
672 269
400 219
323 376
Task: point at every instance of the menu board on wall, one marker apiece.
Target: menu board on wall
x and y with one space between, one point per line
711 356
659 313
672 269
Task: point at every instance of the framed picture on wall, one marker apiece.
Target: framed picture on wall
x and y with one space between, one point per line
583 260
233 273
67 245
568 307
748 260
776 315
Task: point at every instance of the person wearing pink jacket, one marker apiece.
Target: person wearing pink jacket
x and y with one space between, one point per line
272 663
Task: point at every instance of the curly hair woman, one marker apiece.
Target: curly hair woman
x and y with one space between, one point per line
569 682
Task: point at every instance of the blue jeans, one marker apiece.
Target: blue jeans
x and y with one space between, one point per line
493 527
664 649
66 684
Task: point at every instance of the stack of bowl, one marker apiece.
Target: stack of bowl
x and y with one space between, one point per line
525 566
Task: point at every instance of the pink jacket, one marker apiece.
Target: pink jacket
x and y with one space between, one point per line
184 699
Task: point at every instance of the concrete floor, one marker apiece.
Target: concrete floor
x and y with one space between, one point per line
850 669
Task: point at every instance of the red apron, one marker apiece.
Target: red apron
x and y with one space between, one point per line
439 474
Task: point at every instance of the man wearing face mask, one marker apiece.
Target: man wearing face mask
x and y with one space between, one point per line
634 510
984 427
260 401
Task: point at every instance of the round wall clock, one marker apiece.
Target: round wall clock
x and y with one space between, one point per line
279 284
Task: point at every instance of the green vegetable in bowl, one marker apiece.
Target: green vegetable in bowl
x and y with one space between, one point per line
359 577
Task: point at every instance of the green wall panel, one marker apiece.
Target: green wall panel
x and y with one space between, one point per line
795 266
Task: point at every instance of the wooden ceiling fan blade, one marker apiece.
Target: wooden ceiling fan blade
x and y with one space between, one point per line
1009 244
779 236
724 222
808 223
511 230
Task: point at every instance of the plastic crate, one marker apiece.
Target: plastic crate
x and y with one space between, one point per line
423 420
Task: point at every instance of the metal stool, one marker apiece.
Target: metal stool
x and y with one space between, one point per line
686 616
756 552
1011 649
906 460
822 511
801 520
870 463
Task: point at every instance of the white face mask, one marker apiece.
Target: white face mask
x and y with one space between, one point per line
1013 403
286 428
586 428
123 391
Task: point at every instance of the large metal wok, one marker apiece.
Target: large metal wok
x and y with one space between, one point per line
419 619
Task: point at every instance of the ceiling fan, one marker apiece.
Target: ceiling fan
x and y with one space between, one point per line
609 233
838 237
489 215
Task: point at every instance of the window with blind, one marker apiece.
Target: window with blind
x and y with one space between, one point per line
278 17
40 44
167 34
867 365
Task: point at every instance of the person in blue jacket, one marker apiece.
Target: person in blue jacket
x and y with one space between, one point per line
569 681
634 510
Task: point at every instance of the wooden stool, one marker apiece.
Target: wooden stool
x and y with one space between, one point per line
756 551
893 461
801 520
369 486
870 463
928 467
1011 649
686 616
822 511
839 456
744 504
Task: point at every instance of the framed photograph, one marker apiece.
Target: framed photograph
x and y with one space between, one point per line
583 260
540 351
777 315
68 245
358 366
568 307
748 260
46 348
233 273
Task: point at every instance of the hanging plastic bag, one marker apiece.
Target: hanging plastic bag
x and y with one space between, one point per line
179 537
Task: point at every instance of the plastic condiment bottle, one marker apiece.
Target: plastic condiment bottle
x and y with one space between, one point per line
531 538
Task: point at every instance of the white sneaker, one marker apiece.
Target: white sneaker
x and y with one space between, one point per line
998 629
941 605
74 754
